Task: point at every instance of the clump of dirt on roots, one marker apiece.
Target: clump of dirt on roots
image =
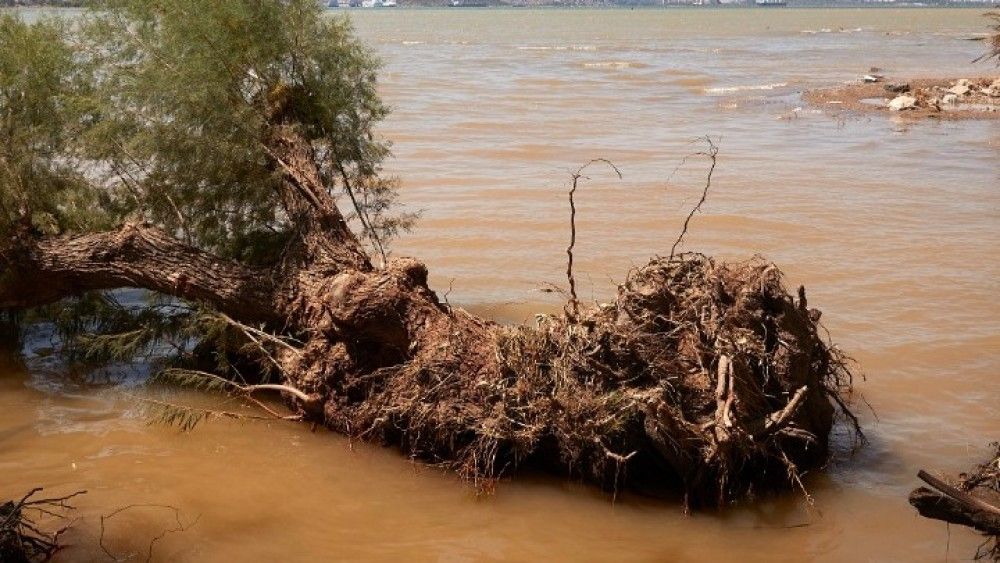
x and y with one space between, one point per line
701 376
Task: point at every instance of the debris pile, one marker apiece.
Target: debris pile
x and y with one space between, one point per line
964 98
701 376
21 538
982 94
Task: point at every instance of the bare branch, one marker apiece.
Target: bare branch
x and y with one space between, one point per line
711 154
574 302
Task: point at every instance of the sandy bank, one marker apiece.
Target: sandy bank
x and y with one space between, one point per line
936 98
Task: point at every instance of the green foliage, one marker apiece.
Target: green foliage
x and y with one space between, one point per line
186 417
192 379
96 329
40 93
160 110
186 89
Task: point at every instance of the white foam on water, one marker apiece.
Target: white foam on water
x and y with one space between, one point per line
556 48
614 64
745 88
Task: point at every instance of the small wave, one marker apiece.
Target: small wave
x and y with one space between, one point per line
615 64
830 30
754 87
556 48
413 42
694 84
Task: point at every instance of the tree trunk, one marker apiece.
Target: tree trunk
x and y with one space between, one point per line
704 377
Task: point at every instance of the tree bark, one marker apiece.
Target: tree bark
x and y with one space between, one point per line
38 270
975 502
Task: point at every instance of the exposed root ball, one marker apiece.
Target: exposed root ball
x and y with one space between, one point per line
703 377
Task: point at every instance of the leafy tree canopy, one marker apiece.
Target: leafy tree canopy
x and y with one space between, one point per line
159 110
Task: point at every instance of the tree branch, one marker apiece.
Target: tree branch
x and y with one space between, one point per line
37 270
324 233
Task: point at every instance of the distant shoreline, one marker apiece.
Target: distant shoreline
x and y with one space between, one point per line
600 5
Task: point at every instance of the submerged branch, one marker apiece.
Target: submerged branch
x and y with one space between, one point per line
180 526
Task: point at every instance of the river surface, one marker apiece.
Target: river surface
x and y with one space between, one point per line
893 226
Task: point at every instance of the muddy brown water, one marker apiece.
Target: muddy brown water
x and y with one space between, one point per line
893 226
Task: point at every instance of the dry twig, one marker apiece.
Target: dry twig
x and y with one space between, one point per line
574 302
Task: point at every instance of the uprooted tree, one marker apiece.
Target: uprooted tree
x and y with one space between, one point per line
204 150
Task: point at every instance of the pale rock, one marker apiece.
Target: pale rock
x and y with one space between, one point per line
949 99
900 103
993 90
959 89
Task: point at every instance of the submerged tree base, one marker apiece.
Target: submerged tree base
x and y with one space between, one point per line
703 377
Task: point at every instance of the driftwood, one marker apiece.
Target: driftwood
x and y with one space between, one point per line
974 502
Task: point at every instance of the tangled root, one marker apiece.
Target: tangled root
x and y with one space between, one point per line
703 377
21 539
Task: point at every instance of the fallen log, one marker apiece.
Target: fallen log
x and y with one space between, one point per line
973 502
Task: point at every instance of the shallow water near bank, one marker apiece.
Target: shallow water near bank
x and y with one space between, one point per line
892 225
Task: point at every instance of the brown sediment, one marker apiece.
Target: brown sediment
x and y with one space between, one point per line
874 97
973 500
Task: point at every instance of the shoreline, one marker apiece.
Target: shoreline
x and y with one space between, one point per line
926 95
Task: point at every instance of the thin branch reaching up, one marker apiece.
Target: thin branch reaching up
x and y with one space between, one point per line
574 302
362 213
711 153
256 334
